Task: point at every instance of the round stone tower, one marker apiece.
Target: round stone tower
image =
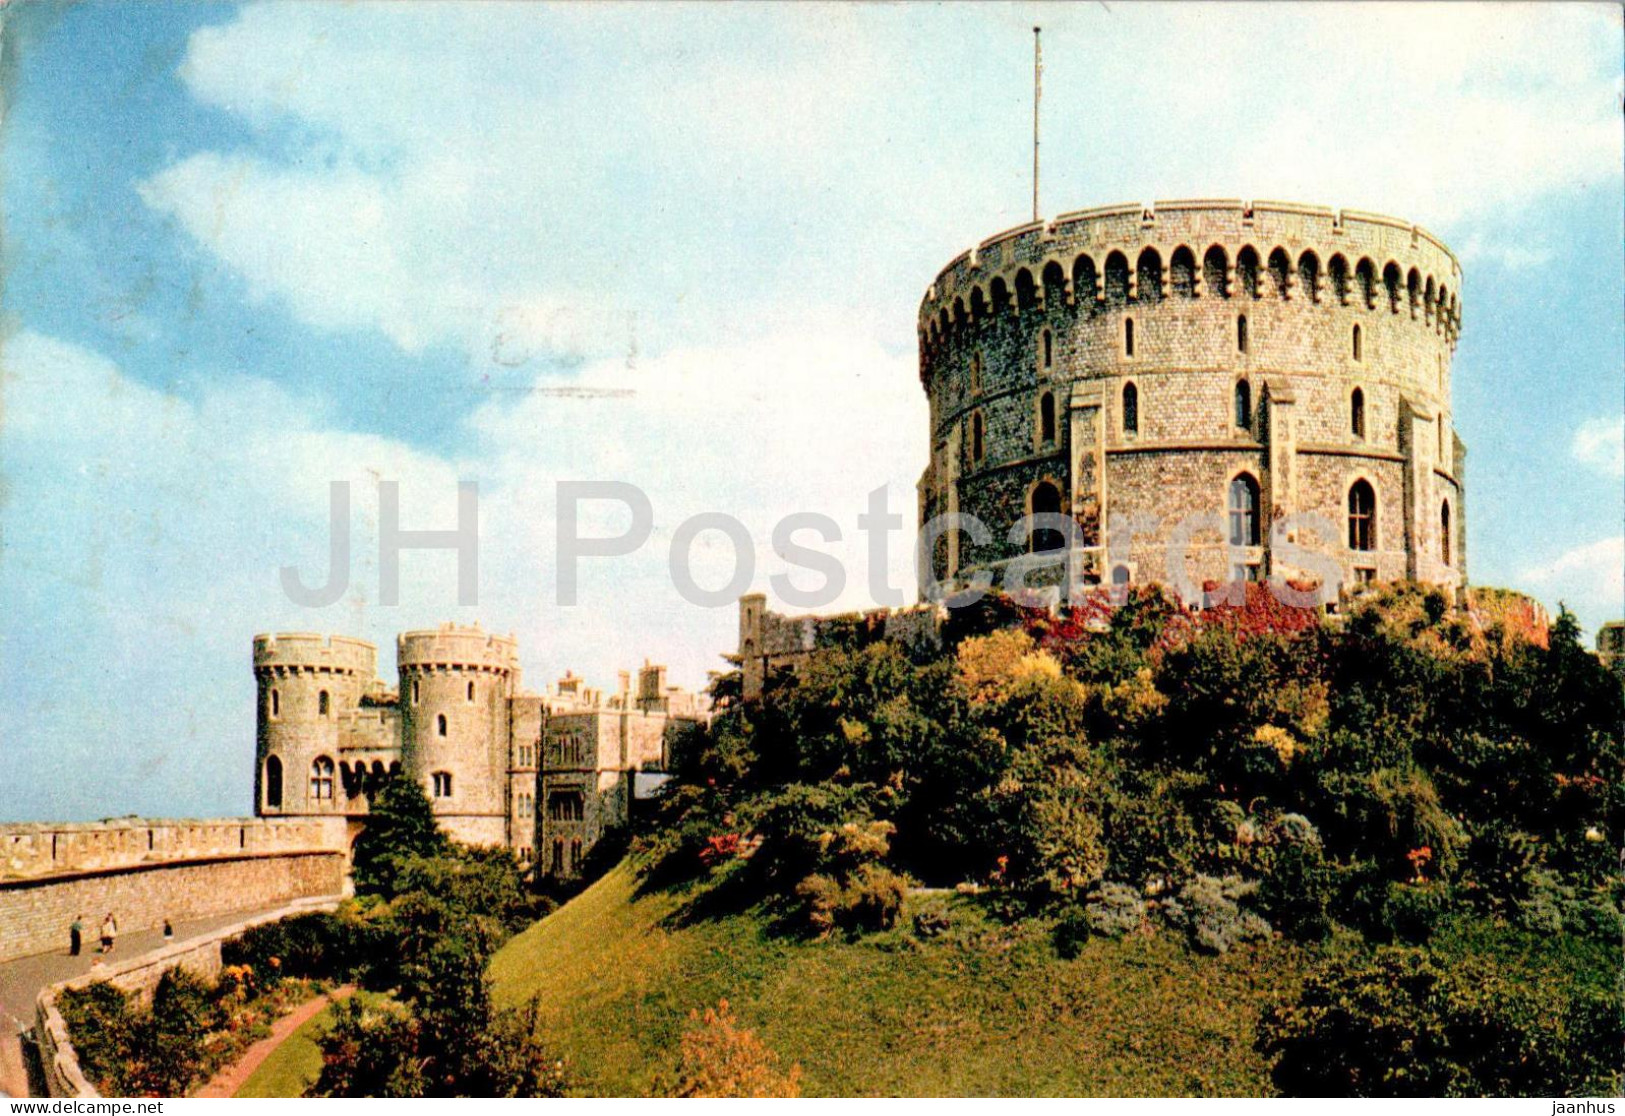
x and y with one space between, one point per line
1208 391
456 684
306 683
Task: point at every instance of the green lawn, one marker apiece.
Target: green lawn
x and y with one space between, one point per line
984 1010
296 1063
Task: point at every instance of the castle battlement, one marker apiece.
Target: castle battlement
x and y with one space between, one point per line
1218 248
454 647
310 651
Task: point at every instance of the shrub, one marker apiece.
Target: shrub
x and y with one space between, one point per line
101 1022
1400 1022
870 900
1114 909
1209 910
719 1058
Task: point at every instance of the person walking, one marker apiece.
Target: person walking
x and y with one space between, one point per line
76 935
109 932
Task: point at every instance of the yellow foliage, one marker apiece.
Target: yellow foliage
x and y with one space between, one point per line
1134 701
994 665
1278 740
722 1059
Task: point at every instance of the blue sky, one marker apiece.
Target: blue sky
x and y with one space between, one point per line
253 249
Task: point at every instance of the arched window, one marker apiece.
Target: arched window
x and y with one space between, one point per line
414 691
1182 272
471 689
1046 418
1131 409
322 704
1241 333
1215 272
575 854
321 779
1244 404
440 724
558 857
1354 347
1046 500
1120 575
273 780
976 372
276 704
1444 531
977 447
441 781
1244 511
1357 412
1049 349
566 806
1128 337
1362 517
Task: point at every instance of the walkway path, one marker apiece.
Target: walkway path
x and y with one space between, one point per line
229 1080
22 979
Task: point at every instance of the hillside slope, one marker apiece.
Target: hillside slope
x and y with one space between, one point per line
985 1009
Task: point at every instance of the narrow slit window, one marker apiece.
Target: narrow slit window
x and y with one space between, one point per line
1241 333
1128 337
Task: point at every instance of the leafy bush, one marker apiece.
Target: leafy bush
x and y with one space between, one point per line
320 945
870 900
1209 910
719 1058
101 1022
1405 1022
1114 909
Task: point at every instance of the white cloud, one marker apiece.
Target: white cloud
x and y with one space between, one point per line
1589 578
437 167
1600 444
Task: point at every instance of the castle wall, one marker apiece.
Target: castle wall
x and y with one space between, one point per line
192 869
1046 310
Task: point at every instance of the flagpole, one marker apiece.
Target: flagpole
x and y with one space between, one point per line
1038 93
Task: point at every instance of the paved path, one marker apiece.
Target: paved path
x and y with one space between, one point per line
22 978
229 1080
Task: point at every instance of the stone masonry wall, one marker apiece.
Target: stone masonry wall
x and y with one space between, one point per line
1045 307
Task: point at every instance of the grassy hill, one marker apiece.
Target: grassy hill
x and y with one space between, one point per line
984 1009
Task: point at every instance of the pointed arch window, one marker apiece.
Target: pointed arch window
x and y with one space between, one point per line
321 779
1362 517
1244 511
1357 413
1244 404
1131 408
273 782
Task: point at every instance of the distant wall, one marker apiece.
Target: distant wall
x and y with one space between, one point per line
149 871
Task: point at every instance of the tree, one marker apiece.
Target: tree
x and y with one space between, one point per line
400 824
